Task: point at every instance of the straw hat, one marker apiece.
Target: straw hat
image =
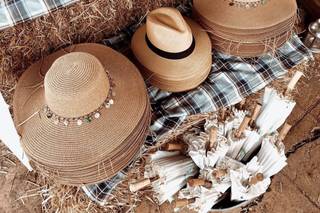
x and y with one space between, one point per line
82 113
173 52
247 28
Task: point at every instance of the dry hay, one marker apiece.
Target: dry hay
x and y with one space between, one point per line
85 21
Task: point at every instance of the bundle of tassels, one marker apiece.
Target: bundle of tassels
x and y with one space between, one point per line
231 158
166 172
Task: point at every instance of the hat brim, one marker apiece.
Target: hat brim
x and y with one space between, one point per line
82 146
232 17
176 69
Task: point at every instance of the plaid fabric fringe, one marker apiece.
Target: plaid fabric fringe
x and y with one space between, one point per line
13 12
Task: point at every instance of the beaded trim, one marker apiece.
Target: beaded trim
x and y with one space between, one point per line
247 3
88 117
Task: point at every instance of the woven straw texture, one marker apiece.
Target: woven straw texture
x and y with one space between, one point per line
247 32
174 75
92 151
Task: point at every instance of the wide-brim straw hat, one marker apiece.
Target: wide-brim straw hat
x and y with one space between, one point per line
82 112
249 31
172 52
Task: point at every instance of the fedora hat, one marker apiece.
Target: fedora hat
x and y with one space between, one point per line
172 52
82 113
246 28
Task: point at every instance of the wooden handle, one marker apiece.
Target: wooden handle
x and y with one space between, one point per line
255 113
223 114
242 126
219 173
174 147
212 137
139 185
241 103
199 182
284 131
183 202
294 80
255 179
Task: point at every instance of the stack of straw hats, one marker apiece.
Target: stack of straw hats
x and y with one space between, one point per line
82 113
246 28
172 52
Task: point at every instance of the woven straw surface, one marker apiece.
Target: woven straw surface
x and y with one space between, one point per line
232 17
247 32
77 80
78 154
175 75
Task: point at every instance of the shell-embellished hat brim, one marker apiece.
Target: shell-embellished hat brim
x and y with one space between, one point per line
93 151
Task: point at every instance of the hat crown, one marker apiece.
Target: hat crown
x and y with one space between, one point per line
167 30
75 85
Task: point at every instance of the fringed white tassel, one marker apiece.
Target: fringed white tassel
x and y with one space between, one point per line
275 111
271 157
198 151
251 144
232 122
171 172
9 135
242 189
205 197
235 145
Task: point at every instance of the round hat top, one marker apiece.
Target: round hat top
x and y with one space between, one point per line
76 84
167 30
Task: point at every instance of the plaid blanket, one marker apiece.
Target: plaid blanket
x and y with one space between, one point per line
13 12
231 79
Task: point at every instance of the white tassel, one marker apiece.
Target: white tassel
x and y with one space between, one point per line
275 111
9 135
271 157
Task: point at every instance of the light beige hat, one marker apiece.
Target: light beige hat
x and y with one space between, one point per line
173 52
82 113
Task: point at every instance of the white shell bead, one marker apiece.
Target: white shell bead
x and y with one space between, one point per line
97 115
79 122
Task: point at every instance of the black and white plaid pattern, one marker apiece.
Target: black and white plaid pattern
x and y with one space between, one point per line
231 79
13 12
99 192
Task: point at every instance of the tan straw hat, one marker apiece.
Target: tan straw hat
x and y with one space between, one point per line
173 52
246 28
82 113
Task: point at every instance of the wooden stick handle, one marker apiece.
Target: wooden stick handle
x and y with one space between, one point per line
241 103
294 81
242 126
139 185
255 113
219 173
199 182
212 137
284 131
183 202
223 114
255 179
174 147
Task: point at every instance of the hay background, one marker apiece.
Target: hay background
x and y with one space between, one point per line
85 21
